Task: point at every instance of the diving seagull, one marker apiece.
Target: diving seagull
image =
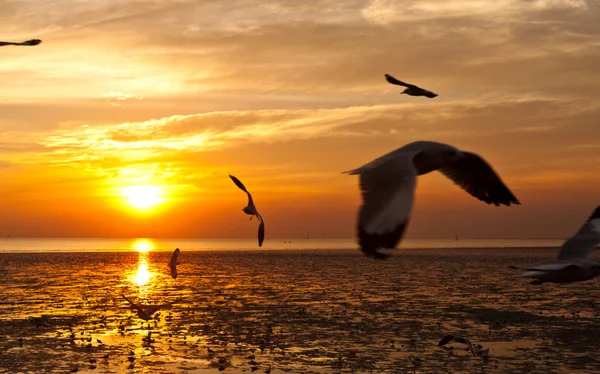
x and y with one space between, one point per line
145 312
251 210
571 264
388 183
30 42
411 89
174 262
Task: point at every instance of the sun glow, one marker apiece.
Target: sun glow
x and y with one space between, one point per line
142 197
143 245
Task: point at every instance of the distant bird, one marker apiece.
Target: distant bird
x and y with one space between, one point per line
251 210
30 42
388 183
411 89
174 262
44 320
448 338
571 264
145 312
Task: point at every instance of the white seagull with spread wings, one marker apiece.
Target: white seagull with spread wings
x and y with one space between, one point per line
571 264
251 210
388 183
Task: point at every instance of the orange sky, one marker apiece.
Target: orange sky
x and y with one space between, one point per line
286 95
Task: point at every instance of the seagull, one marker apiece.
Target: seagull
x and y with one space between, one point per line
251 210
448 338
44 320
388 183
145 312
571 264
174 262
411 89
31 42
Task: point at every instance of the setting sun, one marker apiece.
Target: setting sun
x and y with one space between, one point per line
142 197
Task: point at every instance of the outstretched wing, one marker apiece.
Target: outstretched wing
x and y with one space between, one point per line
261 230
395 81
238 183
586 239
136 306
445 340
387 188
477 177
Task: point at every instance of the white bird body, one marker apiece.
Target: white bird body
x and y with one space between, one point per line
571 264
388 183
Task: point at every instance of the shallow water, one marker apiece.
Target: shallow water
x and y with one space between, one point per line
295 311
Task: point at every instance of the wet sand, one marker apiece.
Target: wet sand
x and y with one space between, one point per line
294 311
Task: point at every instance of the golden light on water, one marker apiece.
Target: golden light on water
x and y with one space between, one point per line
142 275
143 245
142 197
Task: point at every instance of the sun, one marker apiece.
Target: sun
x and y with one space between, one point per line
142 197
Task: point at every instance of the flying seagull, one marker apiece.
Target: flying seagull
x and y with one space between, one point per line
571 264
174 262
388 183
411 89
251 210
31 42
44 320
448 338
145 312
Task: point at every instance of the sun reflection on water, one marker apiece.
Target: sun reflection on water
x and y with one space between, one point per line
142 275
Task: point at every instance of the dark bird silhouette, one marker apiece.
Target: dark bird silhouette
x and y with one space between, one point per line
44 320
572 263
30 42
448 338
174 262
411 89
388 183
145 312
251 210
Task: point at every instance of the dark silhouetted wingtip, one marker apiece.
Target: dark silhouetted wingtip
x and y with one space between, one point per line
445 340
261 233
370 243
595 214
238 183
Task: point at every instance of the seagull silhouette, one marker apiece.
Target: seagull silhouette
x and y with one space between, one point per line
251 210
388 184
174 262
411 89
30 42
571 264
145 312
448 338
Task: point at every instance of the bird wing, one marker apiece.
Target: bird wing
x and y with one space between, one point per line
586 239
551 266
445 340
238 183
395 81
387 188
261 230
174 262
136 306
477 177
